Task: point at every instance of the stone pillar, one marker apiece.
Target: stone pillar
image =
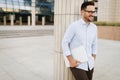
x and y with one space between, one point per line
4 19
20 18
33 13
28 20
66 11
43 20
12 19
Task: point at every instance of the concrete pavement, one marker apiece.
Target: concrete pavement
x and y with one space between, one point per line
28 58
31 58
107 62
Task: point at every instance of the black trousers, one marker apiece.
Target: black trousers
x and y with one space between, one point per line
80 74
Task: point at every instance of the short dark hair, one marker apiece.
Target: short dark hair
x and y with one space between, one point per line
85 4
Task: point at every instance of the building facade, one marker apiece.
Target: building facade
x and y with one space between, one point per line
21 9
109 10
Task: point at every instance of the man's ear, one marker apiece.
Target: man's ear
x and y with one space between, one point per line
82 11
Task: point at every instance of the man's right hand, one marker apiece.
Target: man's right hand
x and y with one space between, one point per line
73 62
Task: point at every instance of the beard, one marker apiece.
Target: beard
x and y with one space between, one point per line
89 18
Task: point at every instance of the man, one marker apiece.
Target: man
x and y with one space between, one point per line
82 32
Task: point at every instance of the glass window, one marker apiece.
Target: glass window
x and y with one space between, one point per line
4 8
44 0
50 0
27 2
21 2
16 0
15 3
9 9
22 5
1 10
85 0
9 2
2 5
2 1
16 10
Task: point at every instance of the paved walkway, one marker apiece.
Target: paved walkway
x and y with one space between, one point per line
31 58
108 60
28 58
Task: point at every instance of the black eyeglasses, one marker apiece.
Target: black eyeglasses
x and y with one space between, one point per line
89 11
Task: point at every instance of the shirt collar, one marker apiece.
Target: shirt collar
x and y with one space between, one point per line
83 22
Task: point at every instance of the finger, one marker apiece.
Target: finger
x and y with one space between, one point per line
78 61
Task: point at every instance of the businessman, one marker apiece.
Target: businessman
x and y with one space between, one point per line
82 32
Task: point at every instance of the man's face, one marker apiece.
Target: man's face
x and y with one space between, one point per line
88 13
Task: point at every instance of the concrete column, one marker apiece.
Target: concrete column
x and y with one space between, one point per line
12 19
43 20
20 18
33 12
4 19
28 20
66 11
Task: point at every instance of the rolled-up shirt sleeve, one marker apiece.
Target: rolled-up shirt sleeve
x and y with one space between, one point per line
94 44
67 39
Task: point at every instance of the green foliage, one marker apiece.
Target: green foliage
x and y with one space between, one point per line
107 23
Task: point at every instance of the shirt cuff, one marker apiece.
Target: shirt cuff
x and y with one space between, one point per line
94 53
67 53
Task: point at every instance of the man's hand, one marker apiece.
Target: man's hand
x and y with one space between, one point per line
73 62
94 56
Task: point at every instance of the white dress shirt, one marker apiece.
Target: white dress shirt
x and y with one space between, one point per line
79 33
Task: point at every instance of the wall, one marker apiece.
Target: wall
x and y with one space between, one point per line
109 10
109 32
